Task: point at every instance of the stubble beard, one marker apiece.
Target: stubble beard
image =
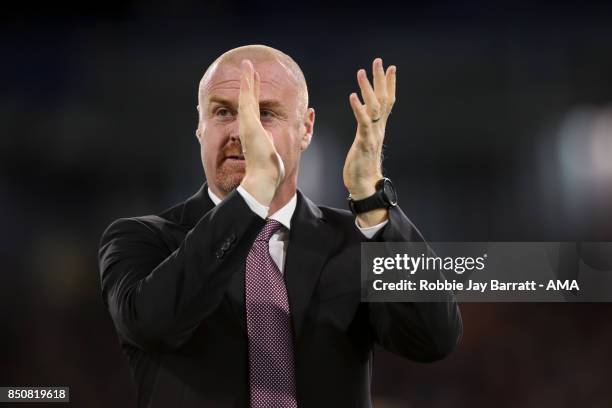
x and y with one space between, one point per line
229 176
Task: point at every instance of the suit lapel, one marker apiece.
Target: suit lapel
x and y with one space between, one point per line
195 207
310 243
311 240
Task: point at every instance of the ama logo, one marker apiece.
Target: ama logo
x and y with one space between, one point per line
562 285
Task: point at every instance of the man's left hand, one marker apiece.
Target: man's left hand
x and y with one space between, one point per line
363 165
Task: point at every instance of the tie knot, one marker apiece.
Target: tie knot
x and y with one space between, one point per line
270 227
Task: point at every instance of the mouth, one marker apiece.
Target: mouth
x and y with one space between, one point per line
236 157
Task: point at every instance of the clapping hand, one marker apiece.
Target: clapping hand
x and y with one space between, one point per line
264 169
363 165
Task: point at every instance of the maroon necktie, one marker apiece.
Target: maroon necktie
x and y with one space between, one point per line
271 361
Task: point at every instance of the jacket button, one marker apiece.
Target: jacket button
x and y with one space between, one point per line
219 254
232 238
225 246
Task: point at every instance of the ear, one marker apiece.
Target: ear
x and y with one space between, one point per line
198 132
309 120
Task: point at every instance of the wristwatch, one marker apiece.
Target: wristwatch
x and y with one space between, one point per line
384 197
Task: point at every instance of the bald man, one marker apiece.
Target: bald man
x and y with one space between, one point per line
248 294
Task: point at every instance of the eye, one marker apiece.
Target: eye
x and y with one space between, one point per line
223 113
266 114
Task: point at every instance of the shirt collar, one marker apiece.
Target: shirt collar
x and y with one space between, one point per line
282 215
216 200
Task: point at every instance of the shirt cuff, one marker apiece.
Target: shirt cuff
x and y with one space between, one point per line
253 204
369 232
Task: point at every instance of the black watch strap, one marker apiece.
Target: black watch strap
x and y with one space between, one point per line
384 197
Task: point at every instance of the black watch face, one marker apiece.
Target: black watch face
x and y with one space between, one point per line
389 192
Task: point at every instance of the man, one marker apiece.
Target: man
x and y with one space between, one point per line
248 294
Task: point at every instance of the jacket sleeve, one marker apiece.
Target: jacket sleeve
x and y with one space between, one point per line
420 331
156 297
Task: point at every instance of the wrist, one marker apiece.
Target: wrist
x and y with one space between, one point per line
364 189
384 197
261 186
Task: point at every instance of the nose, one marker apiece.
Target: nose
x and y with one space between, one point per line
234 132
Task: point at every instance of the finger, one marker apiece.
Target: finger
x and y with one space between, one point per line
359 110
368 95
248 107
391 78
244 98
380 84
247 69
245 115
256 93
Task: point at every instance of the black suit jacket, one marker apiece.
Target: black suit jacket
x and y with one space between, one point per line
174 286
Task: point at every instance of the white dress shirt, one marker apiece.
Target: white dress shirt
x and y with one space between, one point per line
280 239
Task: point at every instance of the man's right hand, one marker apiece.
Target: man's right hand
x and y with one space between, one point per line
264 167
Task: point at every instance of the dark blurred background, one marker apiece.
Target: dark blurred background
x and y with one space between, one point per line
502 131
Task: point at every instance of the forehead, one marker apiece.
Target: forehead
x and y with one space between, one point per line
276 82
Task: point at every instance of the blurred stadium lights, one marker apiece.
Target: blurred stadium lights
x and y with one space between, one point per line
584 152
585 145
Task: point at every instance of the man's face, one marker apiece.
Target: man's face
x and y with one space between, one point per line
218 130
